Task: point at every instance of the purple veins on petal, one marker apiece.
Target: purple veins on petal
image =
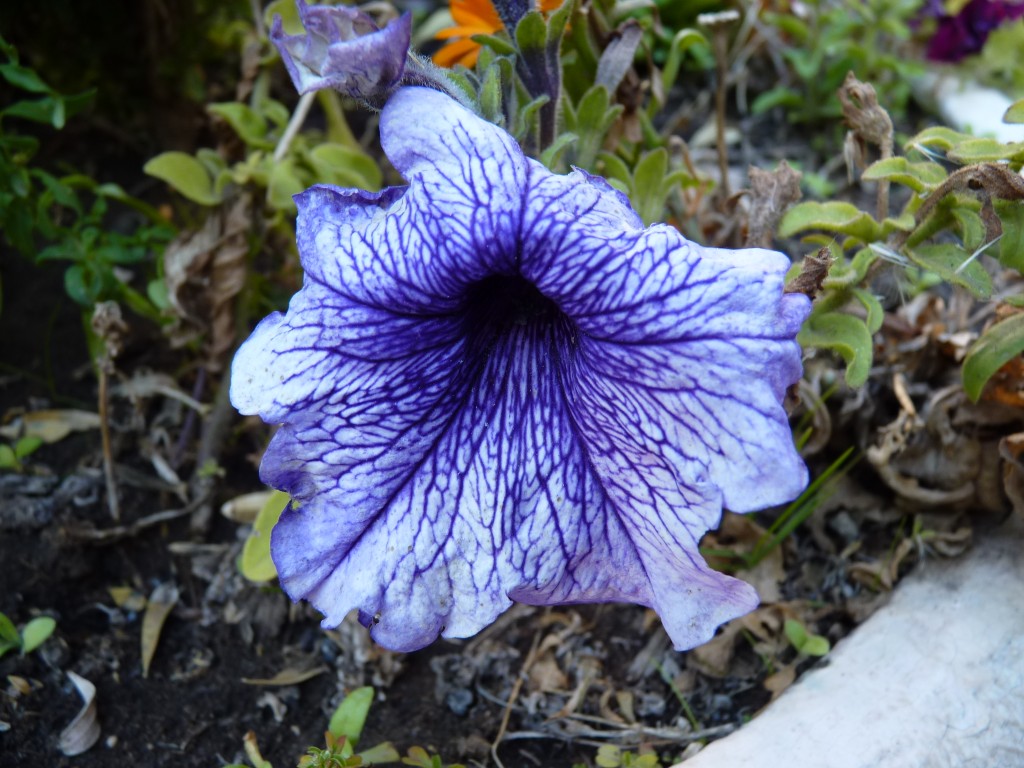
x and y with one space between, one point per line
497 385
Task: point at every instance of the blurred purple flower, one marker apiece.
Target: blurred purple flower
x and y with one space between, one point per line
343 49
497 385
965 33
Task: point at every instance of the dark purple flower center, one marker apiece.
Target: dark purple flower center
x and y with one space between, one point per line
500 305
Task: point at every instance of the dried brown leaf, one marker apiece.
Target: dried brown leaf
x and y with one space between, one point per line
84 730
204 272
771 193
287 676
161 602
50 426
1011 450
780 680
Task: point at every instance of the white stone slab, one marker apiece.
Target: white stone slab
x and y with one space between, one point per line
935 679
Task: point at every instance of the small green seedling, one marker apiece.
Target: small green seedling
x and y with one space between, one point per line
419 757
32 635
337 754
255 563
12 456
805 643
611 756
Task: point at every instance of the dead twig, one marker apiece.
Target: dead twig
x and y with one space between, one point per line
110 328
110 535
869 123
516 687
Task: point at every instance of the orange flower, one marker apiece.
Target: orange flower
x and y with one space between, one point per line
472 17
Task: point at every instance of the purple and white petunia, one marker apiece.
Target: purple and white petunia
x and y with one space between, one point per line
343 49
496 385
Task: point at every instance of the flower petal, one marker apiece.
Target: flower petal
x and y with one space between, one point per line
504 505
692 347
416 249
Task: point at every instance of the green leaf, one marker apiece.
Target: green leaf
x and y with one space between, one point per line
796 633
779 96
186 174
613 168
969 225
648 180
384 752
870 302
36 632
256 564
550 156
8 632
9 637
531 32
500 45
985 151
947 261
48 110
8 460
683 40
1015 114
845 334
803 641
490 95
593 117
835 217
81 285
1011 246
557 22
938 137
350 716
997 346
344 166
284 182
26 446
247 123
920 177
24 78
816 645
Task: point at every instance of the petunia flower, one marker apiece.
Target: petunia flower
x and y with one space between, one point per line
343 49
473 17
964 33
496 385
